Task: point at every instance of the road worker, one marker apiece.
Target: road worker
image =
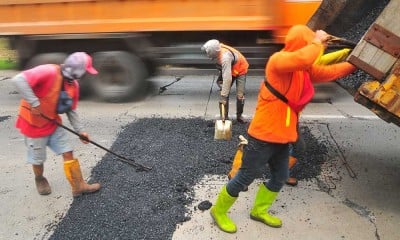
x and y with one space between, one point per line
298 147
232 66
285 91
40 88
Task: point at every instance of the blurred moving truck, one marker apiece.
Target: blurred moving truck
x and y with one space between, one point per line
130 39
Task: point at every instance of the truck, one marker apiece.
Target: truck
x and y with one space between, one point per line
131 40
378 54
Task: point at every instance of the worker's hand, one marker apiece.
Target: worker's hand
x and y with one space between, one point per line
84 137
36 111
223 100
322 36
243 140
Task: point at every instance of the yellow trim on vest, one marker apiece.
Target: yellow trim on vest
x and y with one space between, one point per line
288 116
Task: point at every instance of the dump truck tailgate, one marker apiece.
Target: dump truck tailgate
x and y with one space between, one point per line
378 54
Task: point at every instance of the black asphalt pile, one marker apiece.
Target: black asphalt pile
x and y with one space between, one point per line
149 205
352 82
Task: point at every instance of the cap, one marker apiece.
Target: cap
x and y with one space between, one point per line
77 64
211 47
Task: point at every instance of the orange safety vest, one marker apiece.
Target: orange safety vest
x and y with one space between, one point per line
241 66
48 105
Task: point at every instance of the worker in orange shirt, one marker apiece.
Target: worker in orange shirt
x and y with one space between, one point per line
299 146
286 90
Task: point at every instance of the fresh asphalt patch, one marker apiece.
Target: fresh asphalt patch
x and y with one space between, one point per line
149 205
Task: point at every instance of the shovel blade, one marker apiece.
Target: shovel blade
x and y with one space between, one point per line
223 130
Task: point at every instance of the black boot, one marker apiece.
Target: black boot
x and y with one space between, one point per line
239 110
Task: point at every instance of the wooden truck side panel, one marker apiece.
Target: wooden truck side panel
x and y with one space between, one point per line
378 54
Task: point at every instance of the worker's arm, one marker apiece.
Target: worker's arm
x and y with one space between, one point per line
226 70
75 121
326 73
21 84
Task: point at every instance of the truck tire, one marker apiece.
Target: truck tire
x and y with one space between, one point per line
46 58
121 76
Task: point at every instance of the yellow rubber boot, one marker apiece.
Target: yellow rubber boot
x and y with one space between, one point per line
220 209
263 201
74 175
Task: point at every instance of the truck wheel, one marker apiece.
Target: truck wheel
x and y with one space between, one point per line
46 58
121 76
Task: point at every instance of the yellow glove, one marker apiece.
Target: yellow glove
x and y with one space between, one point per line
333 57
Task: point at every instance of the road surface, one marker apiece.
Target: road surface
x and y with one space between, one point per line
359 199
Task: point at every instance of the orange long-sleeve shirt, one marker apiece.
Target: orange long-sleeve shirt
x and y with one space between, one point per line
274 121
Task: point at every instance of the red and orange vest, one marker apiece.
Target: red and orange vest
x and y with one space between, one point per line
48 105
241 65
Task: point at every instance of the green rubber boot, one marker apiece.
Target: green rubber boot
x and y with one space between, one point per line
264 199
220 209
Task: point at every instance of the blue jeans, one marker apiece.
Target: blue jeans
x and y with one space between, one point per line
256 155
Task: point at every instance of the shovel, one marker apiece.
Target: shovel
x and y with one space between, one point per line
223 128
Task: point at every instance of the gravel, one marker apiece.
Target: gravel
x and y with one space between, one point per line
352 82
149 205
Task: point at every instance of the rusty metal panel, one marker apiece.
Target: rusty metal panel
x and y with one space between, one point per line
383 39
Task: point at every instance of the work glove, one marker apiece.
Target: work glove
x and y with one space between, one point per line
333 57
243 140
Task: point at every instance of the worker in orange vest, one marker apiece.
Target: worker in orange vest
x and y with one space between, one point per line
233 68
41 88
